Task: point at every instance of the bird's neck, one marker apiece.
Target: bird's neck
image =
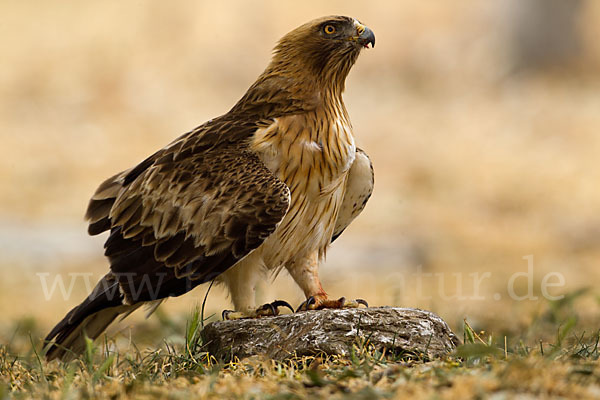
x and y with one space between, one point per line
286 88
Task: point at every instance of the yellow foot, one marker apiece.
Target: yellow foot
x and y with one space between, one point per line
266 310
319 303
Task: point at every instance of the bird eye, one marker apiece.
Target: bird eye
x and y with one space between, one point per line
329 29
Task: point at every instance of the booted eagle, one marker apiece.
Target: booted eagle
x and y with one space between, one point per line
267 186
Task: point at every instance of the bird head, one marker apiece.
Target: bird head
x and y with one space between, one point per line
323 49
309 67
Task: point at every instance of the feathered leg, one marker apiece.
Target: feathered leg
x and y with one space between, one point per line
241 281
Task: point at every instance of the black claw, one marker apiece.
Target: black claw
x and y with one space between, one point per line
274 306
363 302
267 306
282 303
274 310
306 303
225 313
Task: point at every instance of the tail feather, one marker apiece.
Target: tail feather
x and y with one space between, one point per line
67 339
90 318
70 338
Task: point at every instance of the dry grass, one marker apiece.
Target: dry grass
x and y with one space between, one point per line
564 366
476 167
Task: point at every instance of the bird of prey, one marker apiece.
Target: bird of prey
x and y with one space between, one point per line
268 185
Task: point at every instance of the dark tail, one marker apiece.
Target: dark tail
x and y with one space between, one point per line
67 339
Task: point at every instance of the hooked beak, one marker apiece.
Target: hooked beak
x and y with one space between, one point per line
364 35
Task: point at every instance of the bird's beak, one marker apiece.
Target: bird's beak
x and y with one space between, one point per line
364 35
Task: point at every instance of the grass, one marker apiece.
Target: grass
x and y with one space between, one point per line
555 357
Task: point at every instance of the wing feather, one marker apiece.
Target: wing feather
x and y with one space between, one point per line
187 213
358 191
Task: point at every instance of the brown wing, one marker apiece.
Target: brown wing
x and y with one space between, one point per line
186 214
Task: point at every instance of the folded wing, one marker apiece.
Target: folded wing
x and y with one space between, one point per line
178 219
359 188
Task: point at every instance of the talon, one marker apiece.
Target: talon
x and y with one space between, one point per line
310 301
363 302
306 304
273 308
354 303
282 303
266 310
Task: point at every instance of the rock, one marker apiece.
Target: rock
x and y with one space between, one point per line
401 330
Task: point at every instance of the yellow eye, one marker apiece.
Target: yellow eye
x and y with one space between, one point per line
329 29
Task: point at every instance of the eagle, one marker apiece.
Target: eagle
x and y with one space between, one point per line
266 186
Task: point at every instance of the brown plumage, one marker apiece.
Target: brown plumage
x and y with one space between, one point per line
266 186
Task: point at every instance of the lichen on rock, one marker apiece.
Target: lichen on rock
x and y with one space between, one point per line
332 331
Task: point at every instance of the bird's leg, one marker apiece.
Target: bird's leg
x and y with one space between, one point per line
305 273
241 281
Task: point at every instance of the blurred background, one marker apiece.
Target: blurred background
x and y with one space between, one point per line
482 120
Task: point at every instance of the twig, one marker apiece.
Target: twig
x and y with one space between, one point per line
204 303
